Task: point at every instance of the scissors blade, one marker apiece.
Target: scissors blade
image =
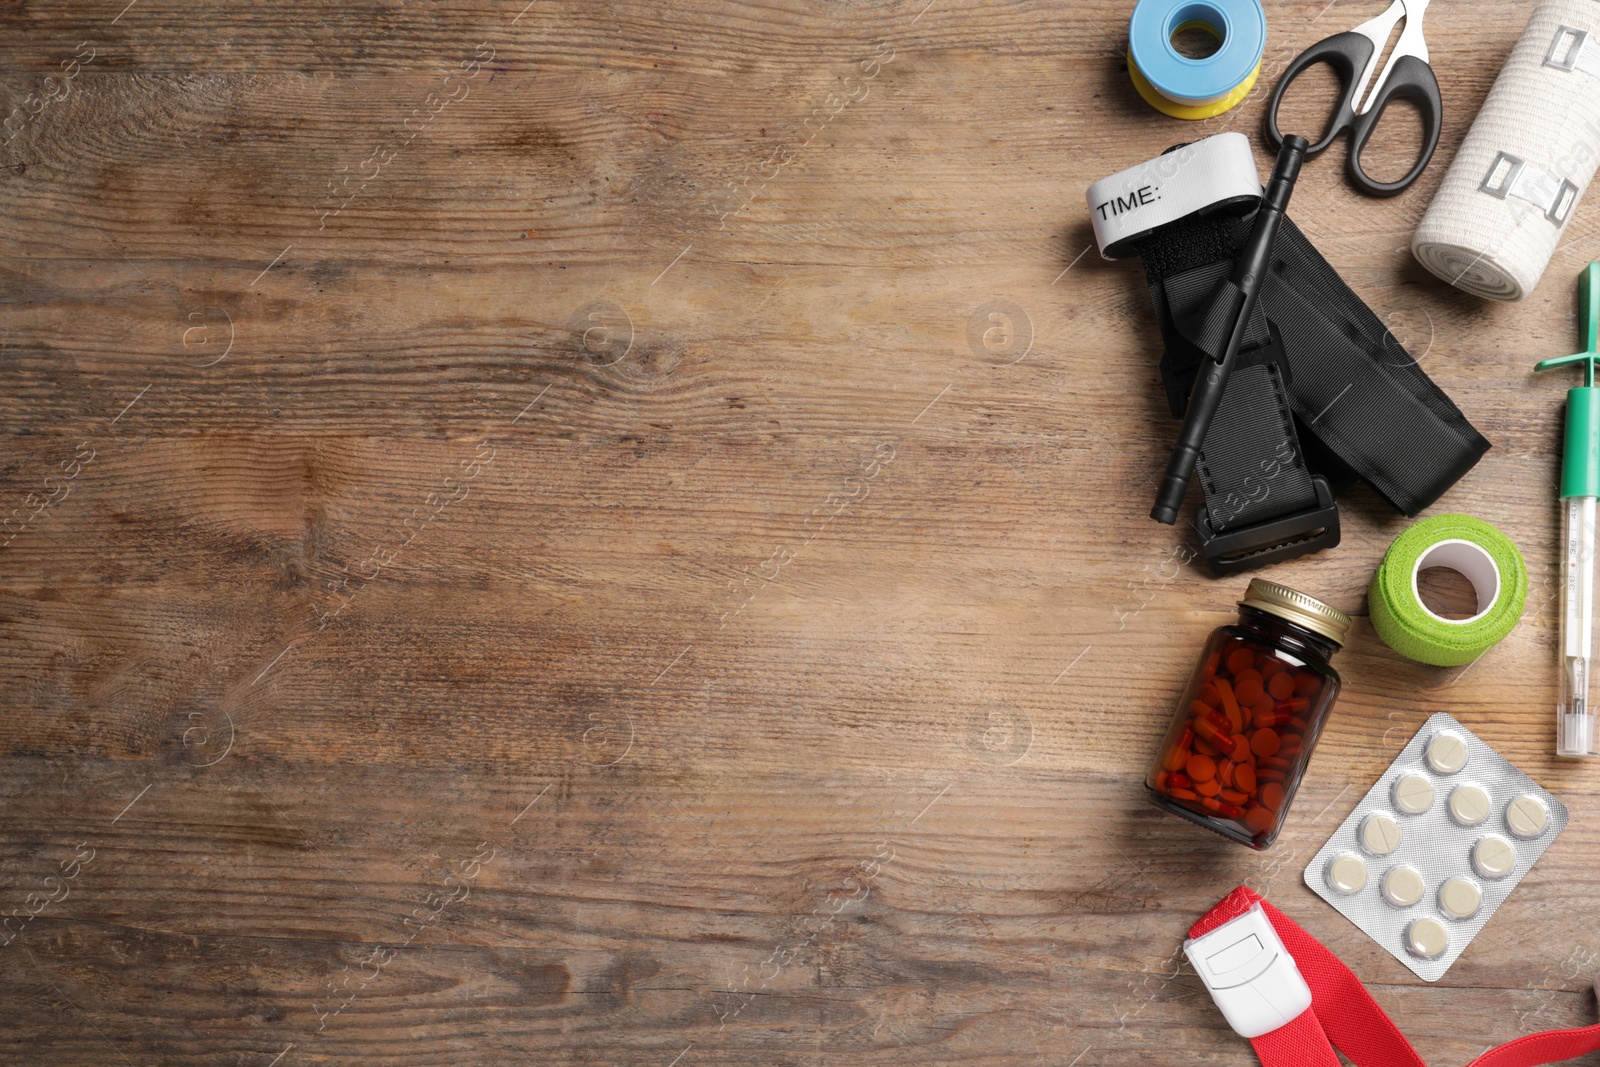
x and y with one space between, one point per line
1411 43
1377 31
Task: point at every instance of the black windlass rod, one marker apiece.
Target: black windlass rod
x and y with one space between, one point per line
1249 272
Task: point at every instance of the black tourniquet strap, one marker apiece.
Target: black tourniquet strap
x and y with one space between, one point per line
1321 392
1251 468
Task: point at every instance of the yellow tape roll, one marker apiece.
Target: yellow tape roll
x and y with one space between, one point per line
1193 112
1192 86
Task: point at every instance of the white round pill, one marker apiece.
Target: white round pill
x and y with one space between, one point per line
1527 816
1460 898
1427 939
1347 873
1413 794
1447 752
1469 804
1402 885
1493 856
1380 834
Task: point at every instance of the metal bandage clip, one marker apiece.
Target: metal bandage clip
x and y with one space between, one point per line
1569 52
1510 175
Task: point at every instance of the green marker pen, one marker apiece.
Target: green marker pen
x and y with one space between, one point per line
1580 492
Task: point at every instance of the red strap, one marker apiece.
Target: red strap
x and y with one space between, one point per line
1343 1013
1552 1046
1303 1041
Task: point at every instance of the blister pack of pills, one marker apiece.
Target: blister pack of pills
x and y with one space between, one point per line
1436 846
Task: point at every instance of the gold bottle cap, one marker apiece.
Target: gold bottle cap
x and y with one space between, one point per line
1298 608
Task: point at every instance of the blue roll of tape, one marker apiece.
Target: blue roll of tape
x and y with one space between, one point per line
1240 27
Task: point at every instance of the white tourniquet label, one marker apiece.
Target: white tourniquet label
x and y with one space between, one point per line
1167 188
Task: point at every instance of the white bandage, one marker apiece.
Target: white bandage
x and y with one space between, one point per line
1520 172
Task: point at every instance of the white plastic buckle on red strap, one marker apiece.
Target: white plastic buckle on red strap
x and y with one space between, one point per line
1250 974
1264 972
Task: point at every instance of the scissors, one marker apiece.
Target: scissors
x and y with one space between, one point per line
1407 76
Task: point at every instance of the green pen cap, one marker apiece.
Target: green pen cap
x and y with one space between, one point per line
1580 461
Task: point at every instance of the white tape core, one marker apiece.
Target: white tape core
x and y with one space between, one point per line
1469 560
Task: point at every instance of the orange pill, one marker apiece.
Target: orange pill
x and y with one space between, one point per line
1247 687
1160 781
1201 768
1269 717
1241 748
1281 686
1298 723
1206 748
1272 795
1259 819
1275 763
1244 776
1268 665
1232 796
1182 794
1225 691
1208 789
1264 742
1174 759
1207 695
1213 661
1240 659
1197 708
1306 683
1211 803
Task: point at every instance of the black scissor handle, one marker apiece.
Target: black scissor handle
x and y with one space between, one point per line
1347 54
1413 80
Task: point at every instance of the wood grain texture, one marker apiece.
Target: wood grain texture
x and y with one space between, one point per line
547 574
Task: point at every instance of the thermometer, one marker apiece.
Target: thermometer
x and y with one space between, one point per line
1580 493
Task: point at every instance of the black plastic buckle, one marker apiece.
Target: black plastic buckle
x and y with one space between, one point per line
1274 540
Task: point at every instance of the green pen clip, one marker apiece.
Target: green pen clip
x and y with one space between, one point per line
1580 461
1580 523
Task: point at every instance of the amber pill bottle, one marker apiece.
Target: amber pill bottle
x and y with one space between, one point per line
1251 715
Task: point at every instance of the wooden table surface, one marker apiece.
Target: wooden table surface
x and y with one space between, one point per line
615 533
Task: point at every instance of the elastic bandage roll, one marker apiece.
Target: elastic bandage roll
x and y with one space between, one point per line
1515 183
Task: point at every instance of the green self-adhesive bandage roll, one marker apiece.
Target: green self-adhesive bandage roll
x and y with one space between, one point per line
1469 546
